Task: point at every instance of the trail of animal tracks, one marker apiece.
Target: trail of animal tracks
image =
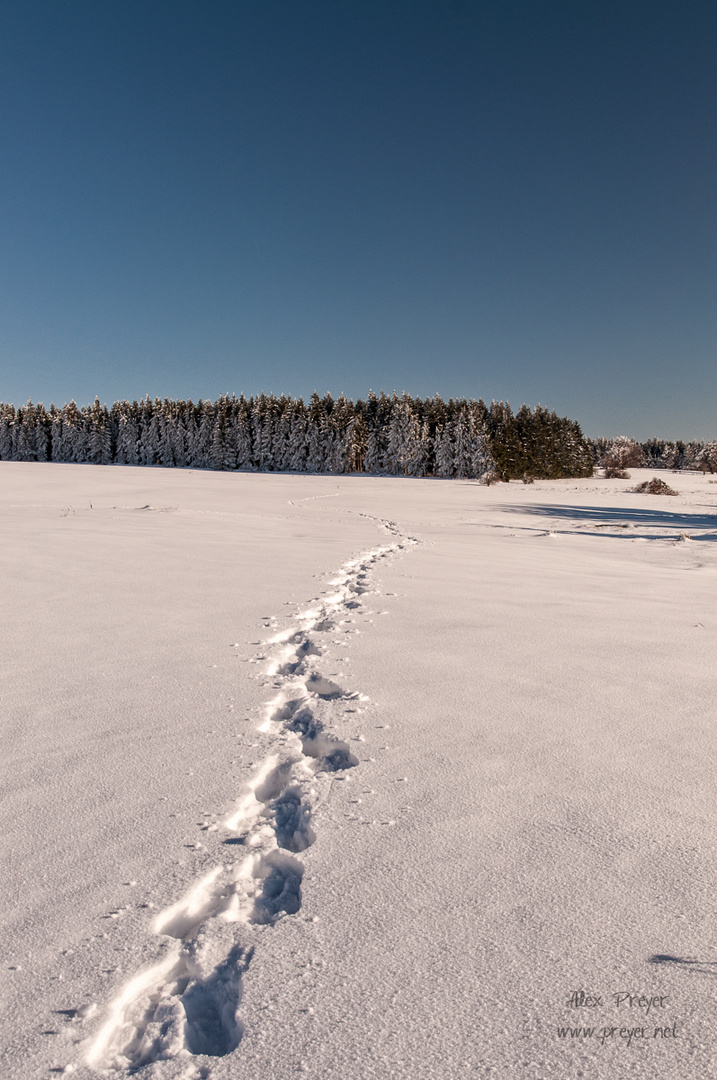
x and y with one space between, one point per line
354 776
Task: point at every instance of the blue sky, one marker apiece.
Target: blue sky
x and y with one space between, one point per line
510 200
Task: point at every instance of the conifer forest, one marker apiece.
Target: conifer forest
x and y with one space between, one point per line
386 435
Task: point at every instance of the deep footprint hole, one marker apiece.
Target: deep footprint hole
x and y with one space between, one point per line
210 1005
292 821
332 755
281 889
305 725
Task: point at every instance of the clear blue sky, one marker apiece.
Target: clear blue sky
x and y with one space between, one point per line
509 199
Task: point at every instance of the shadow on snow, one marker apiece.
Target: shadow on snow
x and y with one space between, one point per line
601 517
703 967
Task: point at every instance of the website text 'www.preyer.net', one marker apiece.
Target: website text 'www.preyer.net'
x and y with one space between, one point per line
646 1019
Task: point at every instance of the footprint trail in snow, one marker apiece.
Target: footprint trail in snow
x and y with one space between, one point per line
187 1004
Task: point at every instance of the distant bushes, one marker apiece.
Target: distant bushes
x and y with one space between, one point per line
623 453
614 472
616 455
400 436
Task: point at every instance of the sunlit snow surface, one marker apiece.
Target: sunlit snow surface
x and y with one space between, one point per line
356 777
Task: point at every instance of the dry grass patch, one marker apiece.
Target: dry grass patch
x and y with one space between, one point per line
654 487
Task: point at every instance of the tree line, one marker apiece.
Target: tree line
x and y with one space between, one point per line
381 435
623 453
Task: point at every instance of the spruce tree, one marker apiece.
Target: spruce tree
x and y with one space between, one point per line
444 450
241 434
373 462
127 438
357 444
317 425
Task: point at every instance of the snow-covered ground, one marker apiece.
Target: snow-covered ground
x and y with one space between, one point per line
356 777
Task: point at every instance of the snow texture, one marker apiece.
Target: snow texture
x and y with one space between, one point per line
369 777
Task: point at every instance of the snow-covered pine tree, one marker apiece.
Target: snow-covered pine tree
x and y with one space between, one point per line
148 453
218 451
24 434
377 416
337 452
578 458
241 434
282 433
99 443
326 433
298 443
369 409
373 462
100 447
532 432
272 448
505 441
149 445
316 431
177 424
41 433
99 450
81 436
256 425
433 416
62 438
203 436
166 436
315 450
395 437
65 432
383 417
415 441
462 453
20 443
357 444
481 459
127 452
55 434
261 433
230 447
7 419
444 450
415 448
192 437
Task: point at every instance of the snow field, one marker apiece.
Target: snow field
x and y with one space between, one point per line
408 869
